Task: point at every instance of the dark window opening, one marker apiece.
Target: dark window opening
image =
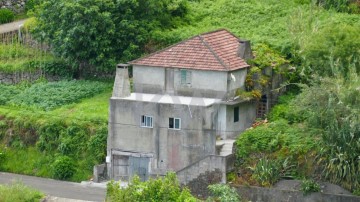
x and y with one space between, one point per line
236 114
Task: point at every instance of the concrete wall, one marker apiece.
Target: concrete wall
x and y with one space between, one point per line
211 163
210 84
239 82
261 194
172 149
149 79
226 127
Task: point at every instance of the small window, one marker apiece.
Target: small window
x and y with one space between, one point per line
175 123
146 121
185 77
236 114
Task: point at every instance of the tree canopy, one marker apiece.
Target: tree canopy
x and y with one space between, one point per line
99 33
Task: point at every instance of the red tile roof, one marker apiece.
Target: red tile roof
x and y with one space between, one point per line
215 50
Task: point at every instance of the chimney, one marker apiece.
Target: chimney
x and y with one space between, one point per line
244 50
122 83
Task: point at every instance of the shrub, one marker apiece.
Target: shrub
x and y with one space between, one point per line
160 189
266 172
31 4
6 16
223 193
308 186
19 192
63 168
332 106
7 93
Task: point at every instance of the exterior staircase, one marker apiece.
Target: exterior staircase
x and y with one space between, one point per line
226 147
222 161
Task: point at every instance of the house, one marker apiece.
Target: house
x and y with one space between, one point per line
183 100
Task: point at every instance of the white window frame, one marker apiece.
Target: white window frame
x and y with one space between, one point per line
174 120
146 124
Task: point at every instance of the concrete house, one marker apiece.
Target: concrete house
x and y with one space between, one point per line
183 101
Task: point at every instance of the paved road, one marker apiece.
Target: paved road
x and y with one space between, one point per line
13 26
57 188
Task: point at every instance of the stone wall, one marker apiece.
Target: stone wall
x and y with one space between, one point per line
14 5
16 77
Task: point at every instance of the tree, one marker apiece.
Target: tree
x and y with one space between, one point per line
99 33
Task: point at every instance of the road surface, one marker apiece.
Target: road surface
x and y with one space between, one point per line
57 188
13 26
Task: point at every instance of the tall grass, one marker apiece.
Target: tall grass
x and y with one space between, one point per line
19 192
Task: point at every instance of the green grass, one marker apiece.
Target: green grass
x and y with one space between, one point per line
50 95
18 192
15 57
20 16
280 23
28 161
79 126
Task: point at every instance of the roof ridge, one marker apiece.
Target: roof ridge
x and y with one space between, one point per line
163 49
213 52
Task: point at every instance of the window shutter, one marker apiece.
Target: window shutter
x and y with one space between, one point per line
183 76
188 77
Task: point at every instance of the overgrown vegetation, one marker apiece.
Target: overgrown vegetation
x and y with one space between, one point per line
6 15
19 192
309 186
159 189
32 140
49 95
223 193
104 32
275 150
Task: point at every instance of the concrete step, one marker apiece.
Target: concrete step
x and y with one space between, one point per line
227 147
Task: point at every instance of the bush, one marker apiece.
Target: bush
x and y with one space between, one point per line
266 172
63 168
6 16
308 186
19 192
160 189
332 105
7 93
223 193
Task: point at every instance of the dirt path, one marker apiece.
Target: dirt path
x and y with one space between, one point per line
13 26
57 188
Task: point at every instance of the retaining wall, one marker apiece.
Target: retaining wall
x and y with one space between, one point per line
17 77
260 194
14 5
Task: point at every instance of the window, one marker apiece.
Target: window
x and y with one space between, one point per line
175 123
236 114
185 77
146 121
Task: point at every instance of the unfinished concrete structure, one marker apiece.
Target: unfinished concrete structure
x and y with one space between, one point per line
183 100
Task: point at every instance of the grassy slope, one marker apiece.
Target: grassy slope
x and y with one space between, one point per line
29 160
280 23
